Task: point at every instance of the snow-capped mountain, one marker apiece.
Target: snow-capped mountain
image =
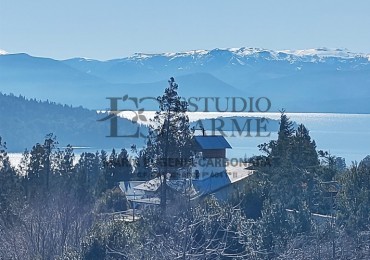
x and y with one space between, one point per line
230 65
2 52
312 80
308 55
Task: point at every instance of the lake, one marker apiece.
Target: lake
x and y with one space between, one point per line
344 135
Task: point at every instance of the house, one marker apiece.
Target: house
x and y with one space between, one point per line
210 156
211 173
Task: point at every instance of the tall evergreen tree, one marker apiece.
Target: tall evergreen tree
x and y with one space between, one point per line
304 153
40 169
142 165
294 162
282 150
279 150
117 168
9 188
354 198
124 163
89 177
170 137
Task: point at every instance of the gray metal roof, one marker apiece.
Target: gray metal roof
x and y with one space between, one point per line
212 142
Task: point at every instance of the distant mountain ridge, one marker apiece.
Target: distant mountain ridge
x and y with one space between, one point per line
312 80
308 55
213 61
291 55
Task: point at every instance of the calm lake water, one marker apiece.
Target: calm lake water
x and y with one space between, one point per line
344 135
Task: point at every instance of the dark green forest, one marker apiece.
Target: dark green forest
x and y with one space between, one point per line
52 208
26 121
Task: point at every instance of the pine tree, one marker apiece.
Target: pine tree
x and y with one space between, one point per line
286 128
279 151
40 169
170 137
354 198
142 165
125 167
304 153
89 177
294 162
10 191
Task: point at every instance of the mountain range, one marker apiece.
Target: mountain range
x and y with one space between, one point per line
313 80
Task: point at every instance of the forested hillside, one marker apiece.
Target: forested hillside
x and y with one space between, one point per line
302 204
24 122
299 203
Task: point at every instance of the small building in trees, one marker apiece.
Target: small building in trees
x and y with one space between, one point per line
210 156
211 172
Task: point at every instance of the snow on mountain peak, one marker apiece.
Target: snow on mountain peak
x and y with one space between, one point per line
312 55
317 52
2 52
169 54
323 52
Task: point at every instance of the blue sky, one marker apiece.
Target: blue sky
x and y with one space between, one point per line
117 28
